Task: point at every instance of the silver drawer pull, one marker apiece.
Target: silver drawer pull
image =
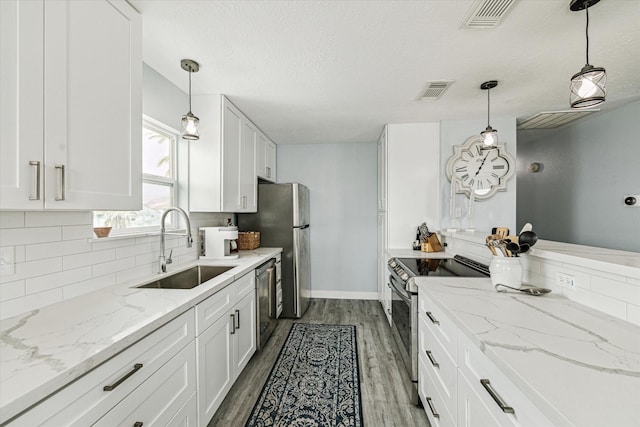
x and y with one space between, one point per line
135 369
268 172
431 359
501 403
35 193
432 408
237 319
433 319
61 184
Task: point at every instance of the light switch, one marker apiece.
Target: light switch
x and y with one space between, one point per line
7 261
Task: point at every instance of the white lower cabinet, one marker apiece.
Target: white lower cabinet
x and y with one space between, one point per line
151 362
226 344
159 398
458 384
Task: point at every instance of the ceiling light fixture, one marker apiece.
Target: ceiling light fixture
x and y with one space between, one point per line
189 121
490 134
588 85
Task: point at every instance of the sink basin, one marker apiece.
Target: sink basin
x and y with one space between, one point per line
188 279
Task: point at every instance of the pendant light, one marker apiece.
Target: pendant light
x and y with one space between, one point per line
490 134
189 121
588 85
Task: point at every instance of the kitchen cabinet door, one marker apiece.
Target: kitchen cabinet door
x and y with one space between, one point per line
93 105
271 161
382 171
248 188
215 367
21 104
245 331
71 110
472 411
232 128
265 157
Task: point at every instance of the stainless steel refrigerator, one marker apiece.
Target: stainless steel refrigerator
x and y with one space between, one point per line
283 221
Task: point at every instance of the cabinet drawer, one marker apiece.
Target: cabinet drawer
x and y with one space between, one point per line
244 285
431 400
475 366
214 307
442 368
187 416
442 326
84 401
160 397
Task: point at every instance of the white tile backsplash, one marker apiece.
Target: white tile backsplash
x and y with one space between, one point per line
611 293
57 257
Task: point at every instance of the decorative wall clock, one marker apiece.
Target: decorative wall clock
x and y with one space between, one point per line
483 172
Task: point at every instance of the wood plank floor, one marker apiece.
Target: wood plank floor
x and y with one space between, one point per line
385 401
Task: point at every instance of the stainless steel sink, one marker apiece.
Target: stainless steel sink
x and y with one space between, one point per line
188 279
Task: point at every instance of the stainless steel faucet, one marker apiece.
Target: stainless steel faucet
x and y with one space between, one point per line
163 260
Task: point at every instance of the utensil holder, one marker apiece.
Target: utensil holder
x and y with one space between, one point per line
506 271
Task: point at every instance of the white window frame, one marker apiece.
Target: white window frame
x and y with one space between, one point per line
158 126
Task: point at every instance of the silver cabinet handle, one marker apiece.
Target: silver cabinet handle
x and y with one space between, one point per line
233 324
268 172
243 202
237 319
432 408
35 193
433 319
389 310
135 369
61 184
501 403
431 359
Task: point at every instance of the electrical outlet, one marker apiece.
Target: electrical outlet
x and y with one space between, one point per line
563 279
7 261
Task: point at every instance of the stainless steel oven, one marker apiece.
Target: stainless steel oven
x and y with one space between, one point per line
404 302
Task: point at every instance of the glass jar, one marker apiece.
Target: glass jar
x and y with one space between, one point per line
506 271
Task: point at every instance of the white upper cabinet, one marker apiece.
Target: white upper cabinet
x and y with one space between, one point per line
72 108
222 163
266 157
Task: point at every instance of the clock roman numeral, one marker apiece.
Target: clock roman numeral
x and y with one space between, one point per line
479 151
498 166
465 177
461 169
495 175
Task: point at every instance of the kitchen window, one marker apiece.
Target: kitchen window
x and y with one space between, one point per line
159 186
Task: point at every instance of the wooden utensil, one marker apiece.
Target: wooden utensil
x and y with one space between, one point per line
500 231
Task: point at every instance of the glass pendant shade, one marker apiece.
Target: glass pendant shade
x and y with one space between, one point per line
490 136
190 127
588 87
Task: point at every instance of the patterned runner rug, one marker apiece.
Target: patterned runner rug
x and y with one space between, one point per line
315 381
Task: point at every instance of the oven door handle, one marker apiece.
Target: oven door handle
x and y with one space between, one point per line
398 291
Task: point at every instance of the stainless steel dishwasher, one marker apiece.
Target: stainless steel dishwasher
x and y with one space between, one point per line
266 290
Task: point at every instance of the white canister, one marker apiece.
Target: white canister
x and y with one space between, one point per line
506 271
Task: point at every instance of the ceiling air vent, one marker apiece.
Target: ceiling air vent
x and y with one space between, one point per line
487 13
553 119
434 90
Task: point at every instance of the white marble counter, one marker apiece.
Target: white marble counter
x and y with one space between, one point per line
579 366
610 260
45 349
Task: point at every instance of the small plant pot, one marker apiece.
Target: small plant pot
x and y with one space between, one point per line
102 231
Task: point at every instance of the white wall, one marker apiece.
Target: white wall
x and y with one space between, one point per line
500 209
56 255
343 187
588 169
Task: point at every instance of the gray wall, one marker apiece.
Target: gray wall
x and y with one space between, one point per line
500 209
588 168
343 186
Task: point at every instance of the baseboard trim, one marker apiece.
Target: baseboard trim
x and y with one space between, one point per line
344 295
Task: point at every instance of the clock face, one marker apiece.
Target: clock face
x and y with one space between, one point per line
482 171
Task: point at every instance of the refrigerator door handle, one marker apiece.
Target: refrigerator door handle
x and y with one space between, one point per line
302 227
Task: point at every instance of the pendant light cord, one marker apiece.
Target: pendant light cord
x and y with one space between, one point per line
587 33
190 88
488 107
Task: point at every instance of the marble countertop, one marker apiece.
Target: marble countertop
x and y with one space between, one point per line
43 350
579 366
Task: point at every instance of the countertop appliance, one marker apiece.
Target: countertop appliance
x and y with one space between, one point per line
266 296
404 302
219 242
283 221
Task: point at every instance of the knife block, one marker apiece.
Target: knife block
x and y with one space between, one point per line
432 244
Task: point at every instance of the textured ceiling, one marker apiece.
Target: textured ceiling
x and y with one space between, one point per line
337 71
